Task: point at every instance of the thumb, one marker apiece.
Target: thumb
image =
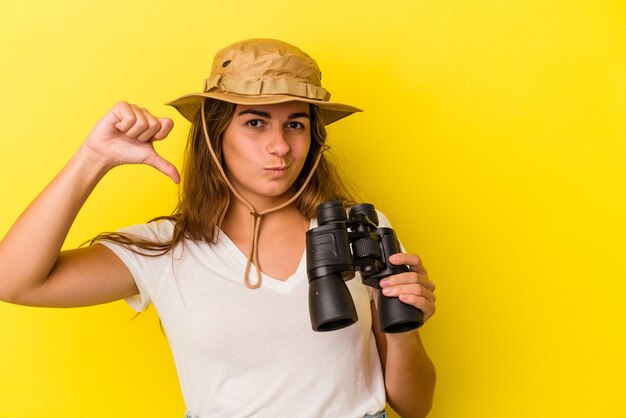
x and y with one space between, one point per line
164 166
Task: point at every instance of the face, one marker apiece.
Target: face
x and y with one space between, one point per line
265 147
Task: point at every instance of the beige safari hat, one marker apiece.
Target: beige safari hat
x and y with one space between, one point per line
264 71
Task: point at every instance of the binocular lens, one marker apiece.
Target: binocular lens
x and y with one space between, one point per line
395 316
330 304
365 209
332 211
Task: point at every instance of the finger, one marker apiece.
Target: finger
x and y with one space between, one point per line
124 117
428 308
166 125
164 166
141 123
410 289
411 260
154 126
408 278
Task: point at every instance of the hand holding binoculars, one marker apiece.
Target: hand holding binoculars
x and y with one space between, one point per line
339 246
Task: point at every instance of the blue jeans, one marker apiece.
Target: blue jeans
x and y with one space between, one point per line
379 414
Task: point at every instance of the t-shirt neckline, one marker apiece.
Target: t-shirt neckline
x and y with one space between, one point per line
282 286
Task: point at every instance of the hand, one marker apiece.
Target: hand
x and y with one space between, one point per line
413 287
125 135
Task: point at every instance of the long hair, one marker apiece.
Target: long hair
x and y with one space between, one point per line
204 196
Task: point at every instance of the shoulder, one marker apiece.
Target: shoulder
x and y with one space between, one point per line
383 221
156 231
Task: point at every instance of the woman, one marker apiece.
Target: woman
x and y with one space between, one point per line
238 324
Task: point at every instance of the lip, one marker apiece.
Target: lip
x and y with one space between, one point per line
277 171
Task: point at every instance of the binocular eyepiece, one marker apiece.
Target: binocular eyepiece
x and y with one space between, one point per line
338 247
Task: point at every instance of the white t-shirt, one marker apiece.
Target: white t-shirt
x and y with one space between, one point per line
241 352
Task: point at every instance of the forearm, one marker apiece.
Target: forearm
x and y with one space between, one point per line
32 245
409 375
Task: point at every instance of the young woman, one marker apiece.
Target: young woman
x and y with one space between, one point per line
226 271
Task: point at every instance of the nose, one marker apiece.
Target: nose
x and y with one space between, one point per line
278 142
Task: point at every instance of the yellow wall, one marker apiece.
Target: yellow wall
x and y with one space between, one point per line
494 138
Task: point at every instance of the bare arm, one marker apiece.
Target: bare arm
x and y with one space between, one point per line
409 372
33 271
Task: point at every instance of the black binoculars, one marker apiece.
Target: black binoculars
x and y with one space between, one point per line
330 263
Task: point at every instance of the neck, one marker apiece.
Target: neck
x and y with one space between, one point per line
237 210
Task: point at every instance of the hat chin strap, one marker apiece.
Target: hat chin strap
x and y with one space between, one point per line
253 256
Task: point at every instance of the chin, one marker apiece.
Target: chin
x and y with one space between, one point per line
281 191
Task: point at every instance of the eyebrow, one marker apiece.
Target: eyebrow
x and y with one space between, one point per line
269 116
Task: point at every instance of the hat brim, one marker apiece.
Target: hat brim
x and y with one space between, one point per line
189 104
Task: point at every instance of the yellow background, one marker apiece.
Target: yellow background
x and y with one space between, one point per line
494 138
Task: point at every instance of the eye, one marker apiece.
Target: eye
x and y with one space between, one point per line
295 125
255 123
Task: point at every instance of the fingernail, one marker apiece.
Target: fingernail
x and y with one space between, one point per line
388 291
384 282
